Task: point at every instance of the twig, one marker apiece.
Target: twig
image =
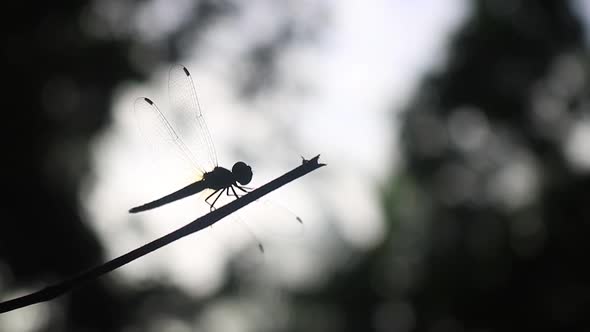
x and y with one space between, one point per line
53 291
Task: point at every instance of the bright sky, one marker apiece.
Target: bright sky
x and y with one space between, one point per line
364 67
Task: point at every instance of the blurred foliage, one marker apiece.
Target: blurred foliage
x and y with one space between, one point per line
487 144
61 64
487 220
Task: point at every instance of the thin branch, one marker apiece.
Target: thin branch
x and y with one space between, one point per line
53 291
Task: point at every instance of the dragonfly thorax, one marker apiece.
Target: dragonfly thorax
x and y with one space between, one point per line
242 172
221 177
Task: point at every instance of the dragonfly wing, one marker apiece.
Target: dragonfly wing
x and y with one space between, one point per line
171 153
192 126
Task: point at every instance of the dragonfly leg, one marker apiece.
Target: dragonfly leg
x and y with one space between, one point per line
234 191
216 198
243 188
208 197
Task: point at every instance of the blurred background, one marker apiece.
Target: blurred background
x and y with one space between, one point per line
457 137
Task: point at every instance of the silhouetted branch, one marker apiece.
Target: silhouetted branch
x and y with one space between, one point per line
53 291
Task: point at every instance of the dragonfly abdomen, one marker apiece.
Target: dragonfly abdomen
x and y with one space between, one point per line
189 190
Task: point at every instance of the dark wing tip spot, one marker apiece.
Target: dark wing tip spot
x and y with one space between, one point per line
149 101
186 71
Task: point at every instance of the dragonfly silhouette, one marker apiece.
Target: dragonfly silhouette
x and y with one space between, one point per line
184 101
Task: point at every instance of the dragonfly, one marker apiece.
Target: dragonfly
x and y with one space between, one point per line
153 123
200 156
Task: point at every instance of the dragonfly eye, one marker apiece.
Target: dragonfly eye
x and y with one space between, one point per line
242 172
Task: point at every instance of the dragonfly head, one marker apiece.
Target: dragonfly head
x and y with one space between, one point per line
242 172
